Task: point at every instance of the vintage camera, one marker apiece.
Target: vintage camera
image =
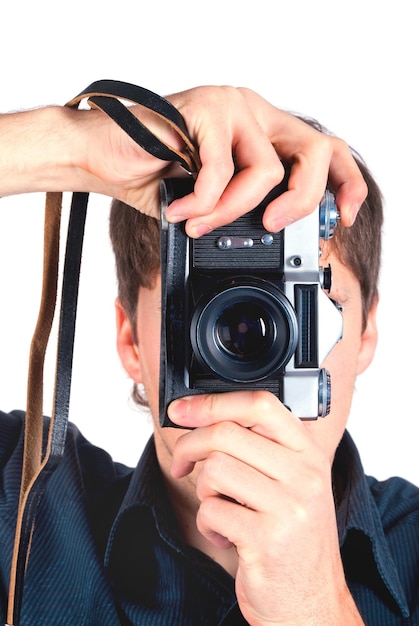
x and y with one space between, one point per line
243 308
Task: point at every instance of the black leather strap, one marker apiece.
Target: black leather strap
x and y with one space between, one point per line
31 496
107 96
134 93
136 130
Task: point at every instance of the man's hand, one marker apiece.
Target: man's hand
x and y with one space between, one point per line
239 136
265 487
237 128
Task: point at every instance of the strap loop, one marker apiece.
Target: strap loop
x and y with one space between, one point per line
107 95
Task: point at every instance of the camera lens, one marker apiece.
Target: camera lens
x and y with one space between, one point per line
245 331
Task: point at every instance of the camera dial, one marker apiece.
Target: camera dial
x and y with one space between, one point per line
328 216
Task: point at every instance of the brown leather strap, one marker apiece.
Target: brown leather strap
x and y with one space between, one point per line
36 470
33 424
32 455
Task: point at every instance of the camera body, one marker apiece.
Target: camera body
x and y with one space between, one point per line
243 308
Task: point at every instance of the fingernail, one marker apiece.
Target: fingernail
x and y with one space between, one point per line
174 219
201 229
178 409
280 222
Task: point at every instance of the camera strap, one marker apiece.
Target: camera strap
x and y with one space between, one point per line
113 98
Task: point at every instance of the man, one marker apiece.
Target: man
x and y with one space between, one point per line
261 493
113 546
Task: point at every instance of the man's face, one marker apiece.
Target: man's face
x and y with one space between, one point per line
348 358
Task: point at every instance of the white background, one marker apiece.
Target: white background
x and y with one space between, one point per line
352 65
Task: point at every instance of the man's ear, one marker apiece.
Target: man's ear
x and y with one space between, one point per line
125 343
368 340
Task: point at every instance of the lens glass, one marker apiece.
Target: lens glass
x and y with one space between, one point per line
244 330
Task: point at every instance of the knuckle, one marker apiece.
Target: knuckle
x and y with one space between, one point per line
305 207
224 430
230 91
273 173
361 191
325 145
224 168
212 470
344 151
205 515
247 92
315 485
340 146
263 401
317 145
214 464
209 405
213 95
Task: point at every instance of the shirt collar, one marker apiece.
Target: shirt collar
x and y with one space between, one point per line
146 489
146 529
358 511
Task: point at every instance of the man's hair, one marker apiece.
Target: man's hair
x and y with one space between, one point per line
135 240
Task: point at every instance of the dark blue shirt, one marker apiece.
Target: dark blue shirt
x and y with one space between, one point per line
107 550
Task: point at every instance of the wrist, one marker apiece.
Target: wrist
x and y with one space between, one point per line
38 151
326 612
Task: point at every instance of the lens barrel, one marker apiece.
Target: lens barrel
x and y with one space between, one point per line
245 331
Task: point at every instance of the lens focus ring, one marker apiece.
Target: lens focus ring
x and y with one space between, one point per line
244 332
